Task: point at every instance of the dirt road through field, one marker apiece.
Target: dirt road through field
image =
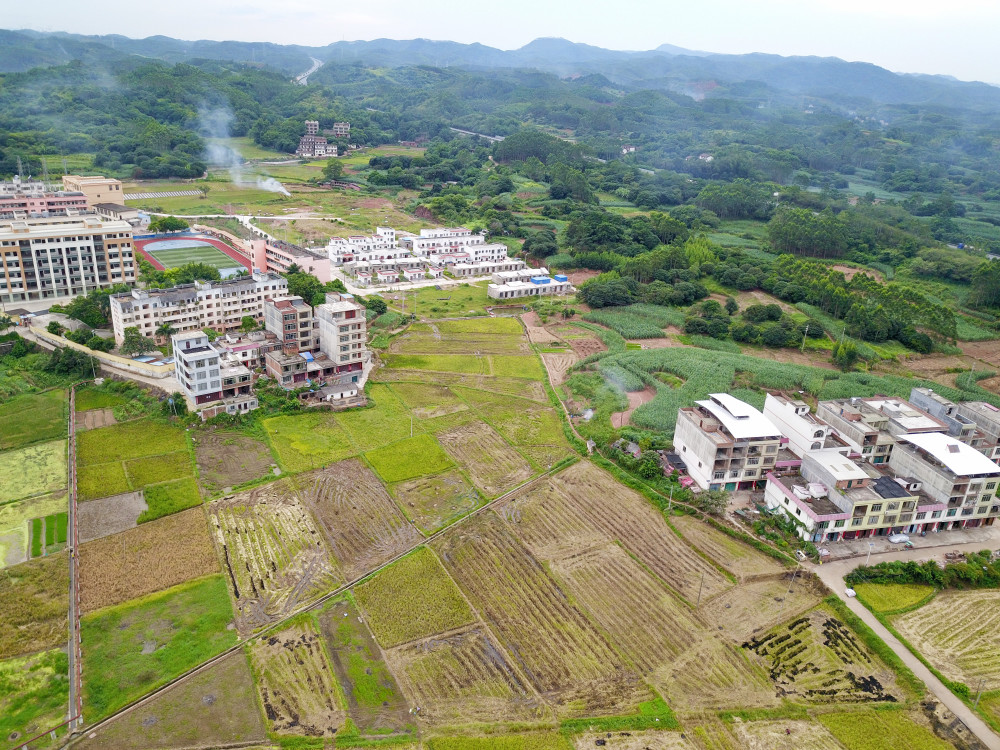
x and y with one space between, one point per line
833 574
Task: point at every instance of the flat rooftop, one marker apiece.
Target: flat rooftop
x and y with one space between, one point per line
741 420
956 456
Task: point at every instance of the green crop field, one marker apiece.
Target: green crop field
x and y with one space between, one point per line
90 397
35 470
133 648
504 365
412 457
180 256
167 498
32 418
413 598
880 730
308 441
34 693
34 605
15 524
465 363
120 442
386 422
450 301
528 741
892 597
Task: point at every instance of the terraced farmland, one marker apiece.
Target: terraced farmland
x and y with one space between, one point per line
275 556
959 633
362 525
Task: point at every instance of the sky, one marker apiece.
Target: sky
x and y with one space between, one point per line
954 38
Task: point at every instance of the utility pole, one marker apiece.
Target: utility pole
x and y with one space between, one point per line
700 587
804 337
979 692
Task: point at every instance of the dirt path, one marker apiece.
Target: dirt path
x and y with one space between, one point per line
558 366
635 400
537 334
833 574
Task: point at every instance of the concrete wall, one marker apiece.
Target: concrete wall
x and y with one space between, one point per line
111 360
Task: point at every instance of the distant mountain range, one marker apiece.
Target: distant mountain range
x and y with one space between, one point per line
667 67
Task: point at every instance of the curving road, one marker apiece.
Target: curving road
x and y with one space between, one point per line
303 78
832 574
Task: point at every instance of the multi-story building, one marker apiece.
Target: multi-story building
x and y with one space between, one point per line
291 320
118 212
537 286
726 443
33 199
871 425
248 348
832 497
49 258
383 245
221 305
340 130
492 268
343 333
205 376
951 472
280 256
961 422
802 431
987 418
96 189
455 245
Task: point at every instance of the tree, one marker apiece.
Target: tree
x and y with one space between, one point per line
376 304
134 343
203 189
985 287
5 321
55 328
165 330
845 355
333 170
168 224
732 306
174 404
248 323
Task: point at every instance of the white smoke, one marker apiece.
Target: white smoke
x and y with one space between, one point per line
221 152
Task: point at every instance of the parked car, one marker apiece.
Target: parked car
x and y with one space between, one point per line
898 538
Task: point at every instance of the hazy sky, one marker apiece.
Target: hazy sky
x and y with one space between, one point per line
919 36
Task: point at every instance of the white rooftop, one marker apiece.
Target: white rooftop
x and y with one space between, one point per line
840 466
739 418
959 458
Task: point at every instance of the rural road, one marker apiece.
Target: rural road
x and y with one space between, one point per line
832 574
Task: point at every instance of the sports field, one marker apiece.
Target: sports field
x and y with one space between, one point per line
179 252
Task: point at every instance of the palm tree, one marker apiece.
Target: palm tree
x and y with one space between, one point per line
166 330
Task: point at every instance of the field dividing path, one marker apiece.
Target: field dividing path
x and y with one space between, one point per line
832 574
343 588
74 650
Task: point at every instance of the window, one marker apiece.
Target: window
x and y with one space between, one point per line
952 512
872 520
718 475
991 485
839 524
985 498
893 506
857 521
877 508
921 516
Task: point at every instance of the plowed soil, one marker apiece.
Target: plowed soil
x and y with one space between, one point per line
109 515
226 459
488 459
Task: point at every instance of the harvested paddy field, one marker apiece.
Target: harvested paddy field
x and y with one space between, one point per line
35 470
375 703
34 605
714 675
215 708
818 659
464 677
226 459
958 633
428 401
624 515
411 599
557 646
882 730
651 740
649 625
784 735
133 648
33 418
520 421
470 445
433 502
526 741
308 441
760 604
109 515
359 519
148 558
275 556
16 524
94 419
296 684
740 559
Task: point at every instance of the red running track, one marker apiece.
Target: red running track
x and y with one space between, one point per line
218 244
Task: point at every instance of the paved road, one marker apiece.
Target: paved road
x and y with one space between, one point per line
832 574
303 78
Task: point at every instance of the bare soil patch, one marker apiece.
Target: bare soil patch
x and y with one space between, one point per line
94 418
652 740
850 273
359 519
464 677
431 502
635 400
810 357
274 554
226 459
987 351
663 343
578 277
585 346
148 558
784 735
537 333
109 515
296 683
558 365
215 708
487 458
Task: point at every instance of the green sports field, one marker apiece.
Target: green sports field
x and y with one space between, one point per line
179 256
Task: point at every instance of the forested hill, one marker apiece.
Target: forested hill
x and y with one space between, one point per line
665 68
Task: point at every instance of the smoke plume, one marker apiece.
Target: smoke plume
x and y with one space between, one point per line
220 151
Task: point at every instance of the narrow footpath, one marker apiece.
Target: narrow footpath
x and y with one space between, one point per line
832 574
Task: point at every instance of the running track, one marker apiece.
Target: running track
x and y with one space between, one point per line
218 244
